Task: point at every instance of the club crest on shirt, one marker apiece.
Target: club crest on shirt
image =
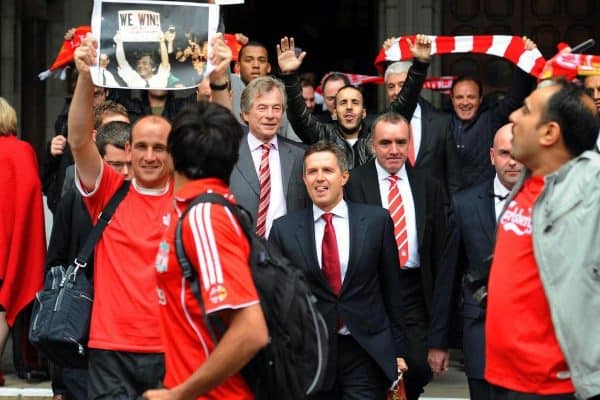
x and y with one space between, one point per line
217 294
516 219
162 257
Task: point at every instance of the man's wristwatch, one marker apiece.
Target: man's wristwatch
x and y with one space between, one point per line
222 86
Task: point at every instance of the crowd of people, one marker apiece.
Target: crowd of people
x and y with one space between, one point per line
403 223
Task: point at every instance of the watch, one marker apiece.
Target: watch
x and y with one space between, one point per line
222 86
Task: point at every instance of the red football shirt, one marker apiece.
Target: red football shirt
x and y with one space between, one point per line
125 316
219 252
522 352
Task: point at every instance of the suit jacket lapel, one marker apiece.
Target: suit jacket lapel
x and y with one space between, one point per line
245 166
357 242
486 210
287 164
370 185
419 199
305 237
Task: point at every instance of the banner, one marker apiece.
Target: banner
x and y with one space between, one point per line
511 48
152 44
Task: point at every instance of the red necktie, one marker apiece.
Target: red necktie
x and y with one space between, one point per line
330 257
265 191
396 209
411 146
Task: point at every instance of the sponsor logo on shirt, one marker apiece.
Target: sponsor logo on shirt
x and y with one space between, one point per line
217 294
162 258
166 219
516 219
162 299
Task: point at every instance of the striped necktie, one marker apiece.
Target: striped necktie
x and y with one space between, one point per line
264 176
396 209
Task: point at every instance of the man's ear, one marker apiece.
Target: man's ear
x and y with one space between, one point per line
94 132
268 68
551 135
244 117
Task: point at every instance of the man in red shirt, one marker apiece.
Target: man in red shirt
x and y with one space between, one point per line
204 144
538 344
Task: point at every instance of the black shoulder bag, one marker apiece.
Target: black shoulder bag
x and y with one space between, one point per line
60 320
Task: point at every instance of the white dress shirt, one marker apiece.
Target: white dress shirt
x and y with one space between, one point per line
499 190
409 209
415 124
277 205
341 224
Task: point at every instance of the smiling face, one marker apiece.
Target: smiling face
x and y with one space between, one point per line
264 117
147 151
466 100
349 109
393 85
324 179
507 168
145 67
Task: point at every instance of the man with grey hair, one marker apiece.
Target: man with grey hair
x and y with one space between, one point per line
267 179
433 149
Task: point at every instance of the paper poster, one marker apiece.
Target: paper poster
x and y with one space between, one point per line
152 44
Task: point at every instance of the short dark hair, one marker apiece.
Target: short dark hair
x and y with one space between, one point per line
465 78
331 147
204 142
350 87
579 124
252 43
334 76
108 106
116 133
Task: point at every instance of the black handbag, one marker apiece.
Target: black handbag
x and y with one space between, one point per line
60 320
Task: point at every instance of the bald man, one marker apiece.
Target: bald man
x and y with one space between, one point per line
471 227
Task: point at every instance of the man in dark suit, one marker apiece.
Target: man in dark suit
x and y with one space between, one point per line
470 241
279 159
419 229
434 147
348 254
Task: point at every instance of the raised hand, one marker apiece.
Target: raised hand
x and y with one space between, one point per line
421 49
219 56
387 43
85 54
286 56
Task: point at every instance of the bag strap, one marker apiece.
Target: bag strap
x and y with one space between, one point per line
188 272
104 218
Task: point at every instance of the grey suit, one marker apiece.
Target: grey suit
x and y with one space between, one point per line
244 182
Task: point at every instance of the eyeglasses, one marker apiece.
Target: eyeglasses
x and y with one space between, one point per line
118 165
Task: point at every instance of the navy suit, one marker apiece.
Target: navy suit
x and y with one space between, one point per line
368 302
470 241
417 285
245 186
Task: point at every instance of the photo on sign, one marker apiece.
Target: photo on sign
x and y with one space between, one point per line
152 44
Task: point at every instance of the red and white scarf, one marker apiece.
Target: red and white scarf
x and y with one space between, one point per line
511 48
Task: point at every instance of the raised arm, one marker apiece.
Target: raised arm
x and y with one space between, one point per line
406 101
220 56
81 118
305 125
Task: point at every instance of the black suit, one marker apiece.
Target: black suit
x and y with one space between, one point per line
417 289
368 298
437 155
470 241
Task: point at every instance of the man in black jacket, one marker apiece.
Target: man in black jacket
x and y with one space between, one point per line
348 130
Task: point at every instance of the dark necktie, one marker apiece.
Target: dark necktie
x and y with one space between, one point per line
330 256
499 196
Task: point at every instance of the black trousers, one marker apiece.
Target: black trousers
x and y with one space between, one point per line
479 389
358 376
119 375
500 393
416 319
